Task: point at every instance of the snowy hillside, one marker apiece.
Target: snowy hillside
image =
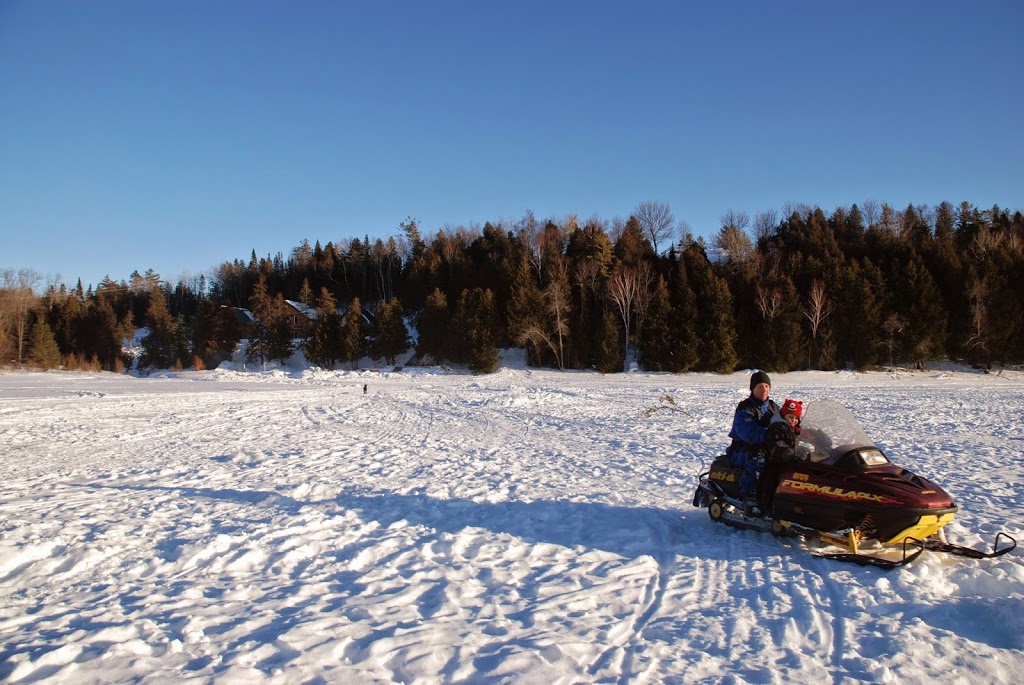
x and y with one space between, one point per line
522 527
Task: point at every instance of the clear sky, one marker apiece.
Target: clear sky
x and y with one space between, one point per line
177 135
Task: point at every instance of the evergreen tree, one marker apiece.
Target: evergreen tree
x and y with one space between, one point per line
860 315
322 347
632 247
65 318
262 308
920 304
591 244
434 327
103 334
306 292
717 346
609 352
389 336
476 329
684 319
656 343
280 345
778 338
352 345
163 347
998 307
215 334
527 325
716 343
589 253
43 350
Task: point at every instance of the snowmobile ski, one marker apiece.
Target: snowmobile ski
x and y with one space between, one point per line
911 550
939 546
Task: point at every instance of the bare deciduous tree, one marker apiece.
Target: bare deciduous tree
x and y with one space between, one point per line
977 340
554 329
734 219
17 298
870 211
385 258
645 292
816 310
656 221
622 287
615 229
559 303
770 302
528 231
983 242
801 209
765 223
629 290
684 233
893 326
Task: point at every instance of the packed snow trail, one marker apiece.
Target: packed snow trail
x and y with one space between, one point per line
521 527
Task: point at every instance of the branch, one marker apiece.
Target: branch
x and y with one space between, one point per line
668 403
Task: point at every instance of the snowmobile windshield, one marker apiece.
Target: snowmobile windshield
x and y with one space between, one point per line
829 431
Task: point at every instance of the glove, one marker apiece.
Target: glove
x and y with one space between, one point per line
781 431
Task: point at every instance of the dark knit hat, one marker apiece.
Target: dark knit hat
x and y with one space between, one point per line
758 378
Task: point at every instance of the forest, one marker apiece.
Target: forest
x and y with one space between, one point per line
861 287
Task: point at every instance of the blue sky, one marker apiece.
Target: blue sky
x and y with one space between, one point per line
178 135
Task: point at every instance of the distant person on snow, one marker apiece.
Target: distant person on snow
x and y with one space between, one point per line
751 438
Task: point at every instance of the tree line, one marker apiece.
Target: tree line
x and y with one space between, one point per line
801 289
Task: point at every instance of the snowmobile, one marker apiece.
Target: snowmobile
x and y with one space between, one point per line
838 487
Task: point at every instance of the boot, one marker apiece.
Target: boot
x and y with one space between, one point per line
751 508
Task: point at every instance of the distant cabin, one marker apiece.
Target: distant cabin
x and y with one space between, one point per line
300 318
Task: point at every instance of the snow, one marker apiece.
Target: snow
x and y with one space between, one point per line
526 526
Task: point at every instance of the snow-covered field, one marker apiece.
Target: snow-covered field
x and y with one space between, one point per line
524 527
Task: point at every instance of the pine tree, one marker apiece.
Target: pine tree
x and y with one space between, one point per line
102 334
280 345
476 329
261 307
162 348
684 322
322 347
434 327
717 347
779 341
527 326
716 341
590 257
389 334
352 345
306 293
609 352
632 247
65 319
920 303
215 333
656 342
860 315
43 350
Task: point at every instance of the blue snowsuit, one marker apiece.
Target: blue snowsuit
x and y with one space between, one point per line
749 447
